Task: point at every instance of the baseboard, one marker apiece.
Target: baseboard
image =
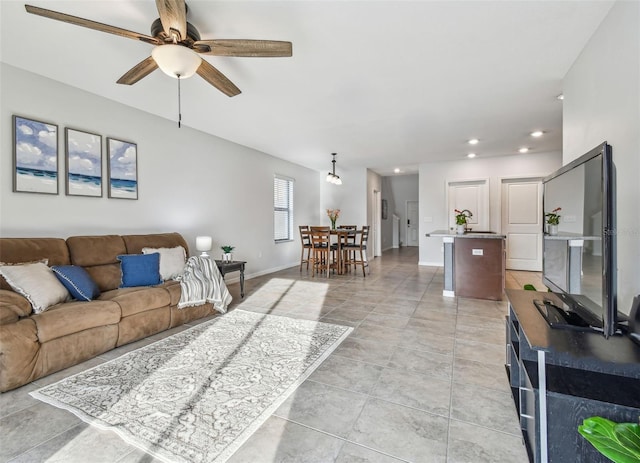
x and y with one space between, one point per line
249 276
432 264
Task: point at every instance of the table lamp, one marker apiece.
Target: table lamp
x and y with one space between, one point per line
203 244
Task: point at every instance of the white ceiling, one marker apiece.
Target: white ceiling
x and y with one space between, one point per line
384 84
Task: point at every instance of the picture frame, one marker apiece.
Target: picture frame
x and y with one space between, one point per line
83 162
35 156
122 169
384 209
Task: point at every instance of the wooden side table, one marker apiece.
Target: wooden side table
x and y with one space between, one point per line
233 266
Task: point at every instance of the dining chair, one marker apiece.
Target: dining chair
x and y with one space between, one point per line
359 249
320 250
305 241
347 253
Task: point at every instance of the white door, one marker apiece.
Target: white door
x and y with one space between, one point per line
522 223
412 223
472 195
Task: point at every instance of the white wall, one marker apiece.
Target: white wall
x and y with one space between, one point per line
602 102
189 181
434 178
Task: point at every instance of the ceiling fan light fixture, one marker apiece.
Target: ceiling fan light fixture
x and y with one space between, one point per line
176 60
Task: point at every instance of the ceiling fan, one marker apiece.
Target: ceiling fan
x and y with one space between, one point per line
177 45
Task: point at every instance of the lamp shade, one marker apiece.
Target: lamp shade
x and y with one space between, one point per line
176 60
203 244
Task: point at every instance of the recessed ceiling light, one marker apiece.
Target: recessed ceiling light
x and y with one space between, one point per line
537 133
473 141
396 170
523 150
560 97
471 155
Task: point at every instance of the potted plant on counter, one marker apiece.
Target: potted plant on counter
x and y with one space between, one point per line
461 220
227 256
553 220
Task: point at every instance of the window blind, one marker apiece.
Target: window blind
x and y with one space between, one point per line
282 208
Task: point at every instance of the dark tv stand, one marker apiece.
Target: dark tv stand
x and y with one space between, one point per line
559 377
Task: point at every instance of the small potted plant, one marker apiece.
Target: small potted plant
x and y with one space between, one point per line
227 256
461 220
553 219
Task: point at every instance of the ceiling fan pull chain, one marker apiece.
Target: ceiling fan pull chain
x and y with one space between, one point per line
179 104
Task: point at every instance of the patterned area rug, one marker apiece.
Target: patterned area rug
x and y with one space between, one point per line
199 394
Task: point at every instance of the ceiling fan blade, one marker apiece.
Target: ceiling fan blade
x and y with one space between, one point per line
67 18
140 70
173 15
241 47
217 79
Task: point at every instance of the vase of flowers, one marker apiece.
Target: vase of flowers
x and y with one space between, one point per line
333 216
461 220
553 220
227 256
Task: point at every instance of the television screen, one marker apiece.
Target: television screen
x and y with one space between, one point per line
579 252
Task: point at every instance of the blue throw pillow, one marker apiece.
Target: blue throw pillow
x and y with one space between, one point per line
77 281
140 269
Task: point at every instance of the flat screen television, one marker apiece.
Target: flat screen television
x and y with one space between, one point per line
579 259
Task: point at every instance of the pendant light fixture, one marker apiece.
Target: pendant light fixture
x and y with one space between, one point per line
331 176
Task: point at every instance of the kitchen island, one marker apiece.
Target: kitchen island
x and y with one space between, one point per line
474 264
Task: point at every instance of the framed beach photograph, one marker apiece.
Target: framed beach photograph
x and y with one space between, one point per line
122 168
84 163
35 156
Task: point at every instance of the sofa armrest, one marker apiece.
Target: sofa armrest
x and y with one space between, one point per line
14 302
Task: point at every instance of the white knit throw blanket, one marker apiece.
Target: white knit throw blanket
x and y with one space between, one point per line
202 282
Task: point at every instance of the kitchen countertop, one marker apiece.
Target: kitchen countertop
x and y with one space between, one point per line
470 234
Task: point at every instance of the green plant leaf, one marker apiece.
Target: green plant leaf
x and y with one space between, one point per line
529 287
628 434
618 442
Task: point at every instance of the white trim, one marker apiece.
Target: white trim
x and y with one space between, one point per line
542 406
432 264
447 293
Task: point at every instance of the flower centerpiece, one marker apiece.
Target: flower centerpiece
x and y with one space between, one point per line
461 219
333 216
227 256
553 219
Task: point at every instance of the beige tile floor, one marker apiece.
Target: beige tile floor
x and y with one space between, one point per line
420 379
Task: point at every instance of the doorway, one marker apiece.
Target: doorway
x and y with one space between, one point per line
412 223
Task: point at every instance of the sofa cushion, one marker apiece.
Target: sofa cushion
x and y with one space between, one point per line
18 301
15 250
174 289
135 243
77 281
140 270
137 299
172 261
37 283
99 257
73 317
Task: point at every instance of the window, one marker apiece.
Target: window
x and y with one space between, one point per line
282 208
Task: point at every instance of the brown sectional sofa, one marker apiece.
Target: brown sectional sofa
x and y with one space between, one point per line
35 345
